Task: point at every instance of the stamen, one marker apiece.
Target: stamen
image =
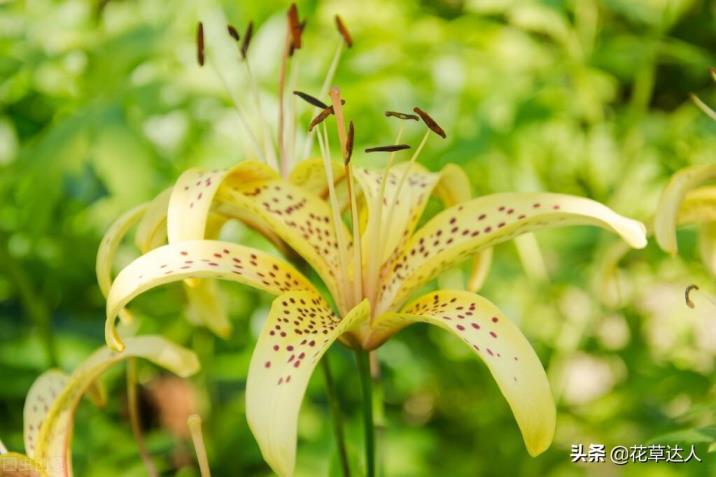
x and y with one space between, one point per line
294 26
430 122
200 44
281 88
388 148
247 39
349 142
322 116
396 114
398 190
324 90
336 213
311 99
197 437
344 31
135 418
268 145
375 257
242 115
292 48
233 33
355 224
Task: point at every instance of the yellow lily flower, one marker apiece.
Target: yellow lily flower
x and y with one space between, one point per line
686 201
370 265
53 398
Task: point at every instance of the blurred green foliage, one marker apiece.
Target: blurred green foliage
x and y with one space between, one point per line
102 106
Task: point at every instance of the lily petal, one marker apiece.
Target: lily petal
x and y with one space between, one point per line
55 417
108 249
13 464
499 343
205 303
199 259
310 175
698 206
299 329
454 188
193 194
481 263
667 215
300 218
152 229
42 395
460 231
707 246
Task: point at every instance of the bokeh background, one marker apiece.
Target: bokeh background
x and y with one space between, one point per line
102 106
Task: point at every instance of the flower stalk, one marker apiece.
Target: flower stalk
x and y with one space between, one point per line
337 415
366 381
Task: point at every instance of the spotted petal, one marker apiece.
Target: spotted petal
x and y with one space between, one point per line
13 464
677 188
194 192
299 329
499 343
460 231
108 249
454 188
41 396
52 401
199 259
300 218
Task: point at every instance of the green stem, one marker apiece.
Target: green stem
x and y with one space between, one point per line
363 360
337 417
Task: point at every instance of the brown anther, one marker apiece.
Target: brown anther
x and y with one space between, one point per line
322 116
349 143
311 99
294 26
292 46
233 33
389 148
430 122
200 43
344 31
396 114
687 295
247 39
